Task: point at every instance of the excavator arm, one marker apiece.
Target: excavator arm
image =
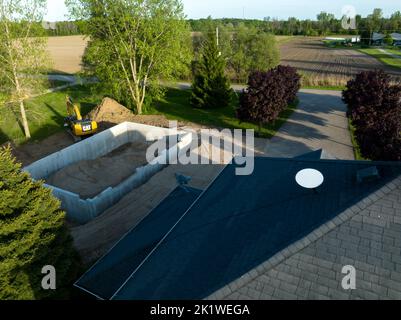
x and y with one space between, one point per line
73 110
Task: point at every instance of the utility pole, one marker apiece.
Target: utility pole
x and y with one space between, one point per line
217 39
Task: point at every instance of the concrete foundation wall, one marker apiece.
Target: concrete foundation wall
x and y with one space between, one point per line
83 211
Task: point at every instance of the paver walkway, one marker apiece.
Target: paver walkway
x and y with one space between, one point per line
320 122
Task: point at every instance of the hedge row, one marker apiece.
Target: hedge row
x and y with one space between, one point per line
374 107
268 94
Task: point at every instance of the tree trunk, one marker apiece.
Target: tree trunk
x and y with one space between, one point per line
24 120
139 108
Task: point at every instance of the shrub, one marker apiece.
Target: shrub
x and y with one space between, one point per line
290 80
374 107
388 40
210 88
32 235
268 94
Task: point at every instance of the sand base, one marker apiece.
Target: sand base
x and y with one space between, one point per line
90 177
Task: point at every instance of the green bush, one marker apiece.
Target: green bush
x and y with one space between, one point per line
32 235
388 40
268 94
374 108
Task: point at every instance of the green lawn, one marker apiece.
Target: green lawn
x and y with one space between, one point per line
383 57
357 149
45 114
175 106
394 51
331 88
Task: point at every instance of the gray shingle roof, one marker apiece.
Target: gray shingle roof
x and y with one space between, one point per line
264 237
366 236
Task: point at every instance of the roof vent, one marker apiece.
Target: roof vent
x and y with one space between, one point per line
309 178
367 175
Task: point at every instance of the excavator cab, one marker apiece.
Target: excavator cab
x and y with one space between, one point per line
77 126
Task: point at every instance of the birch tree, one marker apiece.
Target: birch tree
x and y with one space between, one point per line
23 56
134 45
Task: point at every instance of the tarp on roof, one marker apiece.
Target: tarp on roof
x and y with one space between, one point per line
236 225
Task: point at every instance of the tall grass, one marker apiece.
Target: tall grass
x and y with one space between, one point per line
323 81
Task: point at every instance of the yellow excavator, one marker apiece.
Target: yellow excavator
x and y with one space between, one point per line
77 126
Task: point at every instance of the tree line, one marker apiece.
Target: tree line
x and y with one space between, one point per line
324 24
64 28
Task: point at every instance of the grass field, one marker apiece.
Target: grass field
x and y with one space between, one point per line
387 59
394 51
175 106
45 114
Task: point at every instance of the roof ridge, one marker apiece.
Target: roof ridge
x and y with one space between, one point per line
356 162
312 237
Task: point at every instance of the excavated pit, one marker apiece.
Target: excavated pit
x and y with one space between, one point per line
91 176
88 178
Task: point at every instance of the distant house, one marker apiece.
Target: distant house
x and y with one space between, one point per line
377 39
264 237
396 39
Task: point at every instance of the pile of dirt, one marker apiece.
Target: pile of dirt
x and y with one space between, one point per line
110 113
90 177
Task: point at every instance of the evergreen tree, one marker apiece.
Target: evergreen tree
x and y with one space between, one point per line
32 235
210 88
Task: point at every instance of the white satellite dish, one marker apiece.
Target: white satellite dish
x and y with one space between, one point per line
309 178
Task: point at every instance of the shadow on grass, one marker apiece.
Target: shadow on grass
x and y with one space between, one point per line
3 137
175 106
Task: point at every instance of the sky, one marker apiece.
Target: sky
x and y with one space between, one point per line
259 9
